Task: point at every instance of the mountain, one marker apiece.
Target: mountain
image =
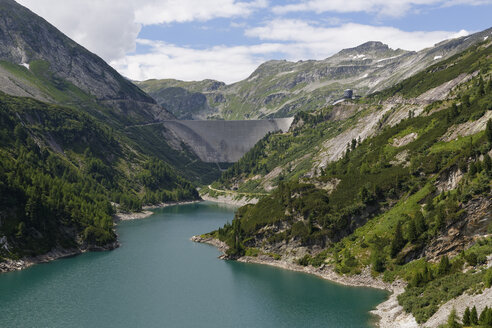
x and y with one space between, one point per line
395 185
280 88
78 143
39 61
185 100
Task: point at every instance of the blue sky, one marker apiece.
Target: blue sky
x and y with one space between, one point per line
227 39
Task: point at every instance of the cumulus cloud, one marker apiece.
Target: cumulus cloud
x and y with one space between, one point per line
381 7
110 28
105 27
158 11
319 41
290 39
228 64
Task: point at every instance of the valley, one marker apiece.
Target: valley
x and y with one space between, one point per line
389 188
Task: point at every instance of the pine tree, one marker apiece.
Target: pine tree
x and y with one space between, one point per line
398 242
483 317
452 323
466 317
488 130
474 316
473 169
412 231
420 223
487 163
444 266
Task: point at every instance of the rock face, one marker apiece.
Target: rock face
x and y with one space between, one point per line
224 141
279 88
47 54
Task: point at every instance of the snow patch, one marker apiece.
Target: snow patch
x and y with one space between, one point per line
485 37
358 56
364 76
26 65
437 57
393 57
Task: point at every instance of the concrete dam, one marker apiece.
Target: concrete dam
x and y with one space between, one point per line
224 141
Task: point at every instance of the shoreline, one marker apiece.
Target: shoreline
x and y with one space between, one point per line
145 213
230 200
9 265
55 254
389 314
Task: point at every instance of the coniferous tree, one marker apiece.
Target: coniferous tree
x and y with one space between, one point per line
412 231
466 317
452 323
474 316
488 130
398 241
420 223
473 169
444 266
482 318
487 163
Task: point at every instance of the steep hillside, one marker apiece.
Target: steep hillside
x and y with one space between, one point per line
186 100
38 61
321 137
63 175
280 88
406 197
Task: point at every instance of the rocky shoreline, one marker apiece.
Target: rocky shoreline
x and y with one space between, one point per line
230 200
124 216
389 313
24 263
9 265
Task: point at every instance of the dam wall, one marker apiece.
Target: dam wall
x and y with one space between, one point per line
224 141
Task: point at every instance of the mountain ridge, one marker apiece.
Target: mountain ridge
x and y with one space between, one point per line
279 88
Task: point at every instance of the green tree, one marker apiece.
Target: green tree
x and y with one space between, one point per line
487 163
466 317
474 316
452 323
444 266
398 241
412 231
473 169
482 319
487 280
488 130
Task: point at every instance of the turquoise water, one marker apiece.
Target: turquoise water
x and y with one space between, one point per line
159 278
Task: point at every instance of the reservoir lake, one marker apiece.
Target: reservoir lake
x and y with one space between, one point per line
159 278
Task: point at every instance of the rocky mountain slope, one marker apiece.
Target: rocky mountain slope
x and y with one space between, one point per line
397 183
75 145
37 60
279 88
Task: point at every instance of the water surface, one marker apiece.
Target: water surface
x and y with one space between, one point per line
159 278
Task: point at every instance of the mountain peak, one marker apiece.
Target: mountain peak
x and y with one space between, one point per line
370 47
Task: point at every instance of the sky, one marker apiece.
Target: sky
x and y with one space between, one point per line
227 40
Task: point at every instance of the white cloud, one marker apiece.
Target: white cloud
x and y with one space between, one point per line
321 41
380 7
110 28
105 27
157 11
291 39
228 64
